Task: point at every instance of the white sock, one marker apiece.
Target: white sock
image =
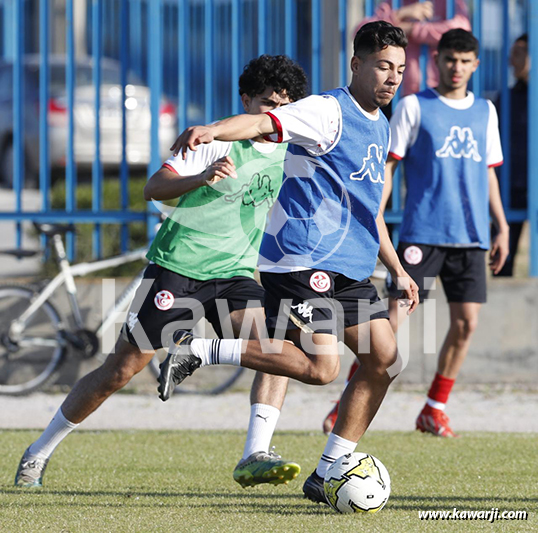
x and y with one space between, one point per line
436 405
54 433
261 426
218 351
336 447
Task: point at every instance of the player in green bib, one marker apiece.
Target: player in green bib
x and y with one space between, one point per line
206 250
189 244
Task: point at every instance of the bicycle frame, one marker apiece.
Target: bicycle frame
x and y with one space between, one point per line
66 276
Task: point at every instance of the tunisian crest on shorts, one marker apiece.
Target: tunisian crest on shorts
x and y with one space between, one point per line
460 143
413 255
164 300
320 281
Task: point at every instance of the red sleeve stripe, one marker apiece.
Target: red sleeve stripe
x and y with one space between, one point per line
496 164
169 167
392 154
278 128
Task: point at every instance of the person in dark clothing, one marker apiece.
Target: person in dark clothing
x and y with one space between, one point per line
519 60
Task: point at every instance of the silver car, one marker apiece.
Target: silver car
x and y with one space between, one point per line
138 118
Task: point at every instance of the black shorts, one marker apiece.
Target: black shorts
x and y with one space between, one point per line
462 271
318 295
157 304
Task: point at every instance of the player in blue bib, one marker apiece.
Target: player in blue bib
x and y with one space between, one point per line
449 143
320 247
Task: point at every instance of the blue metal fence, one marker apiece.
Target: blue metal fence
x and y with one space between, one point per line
192 51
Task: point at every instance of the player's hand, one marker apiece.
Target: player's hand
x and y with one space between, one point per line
409 296
191 138
417 12
221 169
500 248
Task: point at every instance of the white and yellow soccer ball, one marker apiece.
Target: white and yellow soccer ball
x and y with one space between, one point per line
357 483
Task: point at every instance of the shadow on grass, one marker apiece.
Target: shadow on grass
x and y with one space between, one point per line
290 504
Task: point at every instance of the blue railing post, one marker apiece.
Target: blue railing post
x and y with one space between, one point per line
262 26
18 122
124 168
450 9
316 47
70 171
236 54
533 139
97 169
505 117
477 31
209 88
44 75
183 63
423 63
342 55
155 30
290 27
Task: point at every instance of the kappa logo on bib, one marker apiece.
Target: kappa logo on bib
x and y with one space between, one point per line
164 300
320 281
413 255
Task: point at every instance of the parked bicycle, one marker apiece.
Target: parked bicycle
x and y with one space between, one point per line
35 338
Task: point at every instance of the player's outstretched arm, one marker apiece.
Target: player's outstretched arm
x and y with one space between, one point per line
390 259
500 245
390 169
166 184
237 128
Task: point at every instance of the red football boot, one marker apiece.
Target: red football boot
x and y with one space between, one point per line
434 421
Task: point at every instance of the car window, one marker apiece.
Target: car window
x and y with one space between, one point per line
84 76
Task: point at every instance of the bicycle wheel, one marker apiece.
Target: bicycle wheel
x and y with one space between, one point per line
33 359
208 380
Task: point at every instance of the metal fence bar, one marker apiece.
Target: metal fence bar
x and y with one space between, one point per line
290 25
342 29
70 171
423 63
316 46
44 75
155 32
368 8
533 138
262 26
505 115
18 113
208 50
135 34
183 62
124 167
450 9
97 169
80 217
477 31
236 54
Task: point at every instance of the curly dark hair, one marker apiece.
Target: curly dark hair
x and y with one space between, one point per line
376 36
459 40
278 72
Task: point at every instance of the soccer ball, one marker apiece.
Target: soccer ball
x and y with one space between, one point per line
357 483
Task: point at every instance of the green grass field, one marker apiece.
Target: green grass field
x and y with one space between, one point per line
181 481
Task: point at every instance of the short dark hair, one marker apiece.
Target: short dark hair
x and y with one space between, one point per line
278 72
376 36
459 40
524 38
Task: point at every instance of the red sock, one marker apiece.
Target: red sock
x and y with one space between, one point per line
440 389
353 369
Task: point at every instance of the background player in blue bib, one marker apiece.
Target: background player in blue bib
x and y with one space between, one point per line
449 143
320 246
